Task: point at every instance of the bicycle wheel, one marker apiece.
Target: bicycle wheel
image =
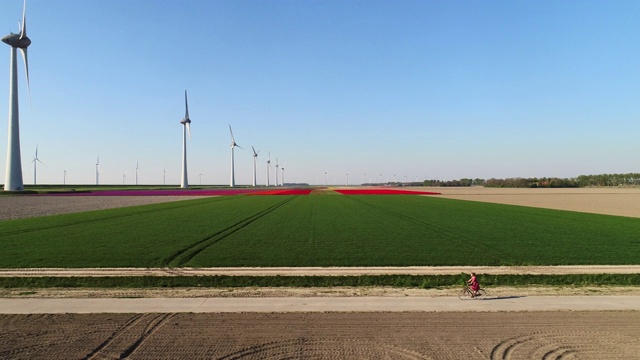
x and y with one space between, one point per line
464 294
481 294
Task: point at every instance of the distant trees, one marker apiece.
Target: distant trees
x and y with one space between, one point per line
461 182
630 179
532 183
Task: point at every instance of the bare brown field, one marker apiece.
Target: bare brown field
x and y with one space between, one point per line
607 201
522 335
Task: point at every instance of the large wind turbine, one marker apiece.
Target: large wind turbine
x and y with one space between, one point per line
13 174
232 183
255 161
186 128
268 167
35 162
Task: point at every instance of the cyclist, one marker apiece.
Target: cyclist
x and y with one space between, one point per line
474 285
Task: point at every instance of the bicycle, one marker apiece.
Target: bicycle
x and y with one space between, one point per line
466 293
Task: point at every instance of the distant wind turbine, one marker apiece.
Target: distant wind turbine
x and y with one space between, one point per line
232 182
98 171
200 176
347 179
268 167
164 176
282 176
124 177
137 170
35 162
277 171
255 161
64 178
325 178
13 174
186 128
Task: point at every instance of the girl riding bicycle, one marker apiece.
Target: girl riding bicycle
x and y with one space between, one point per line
474 285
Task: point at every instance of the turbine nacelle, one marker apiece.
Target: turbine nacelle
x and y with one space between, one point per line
16 41
186 121
233 140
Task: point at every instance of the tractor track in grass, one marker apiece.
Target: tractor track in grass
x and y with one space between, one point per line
187 253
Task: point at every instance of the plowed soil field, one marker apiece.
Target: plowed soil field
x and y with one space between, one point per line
525 335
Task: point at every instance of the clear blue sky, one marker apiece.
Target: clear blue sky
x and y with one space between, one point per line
422 89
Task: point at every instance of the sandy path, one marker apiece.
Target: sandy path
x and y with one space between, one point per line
317 304
324 271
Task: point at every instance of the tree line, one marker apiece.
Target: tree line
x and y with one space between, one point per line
630 179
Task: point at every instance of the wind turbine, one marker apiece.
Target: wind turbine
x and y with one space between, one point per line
200 176
325 178
232 183
164 176
268 167
124 177
13 174
255 161
64 179
35 162
277 171
347 179
282 176
186 128
98 171
137 170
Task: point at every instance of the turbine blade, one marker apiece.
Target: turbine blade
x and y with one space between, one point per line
254 151
26 67
189 130
186 105
23 28
233 140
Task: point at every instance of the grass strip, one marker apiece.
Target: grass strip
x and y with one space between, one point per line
401 281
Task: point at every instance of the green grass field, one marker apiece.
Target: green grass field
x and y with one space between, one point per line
362 230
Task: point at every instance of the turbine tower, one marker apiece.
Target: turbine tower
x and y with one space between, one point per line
35 162
276 171
186 128
268 167
232 183
255 161
13 174
98 171
282 175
